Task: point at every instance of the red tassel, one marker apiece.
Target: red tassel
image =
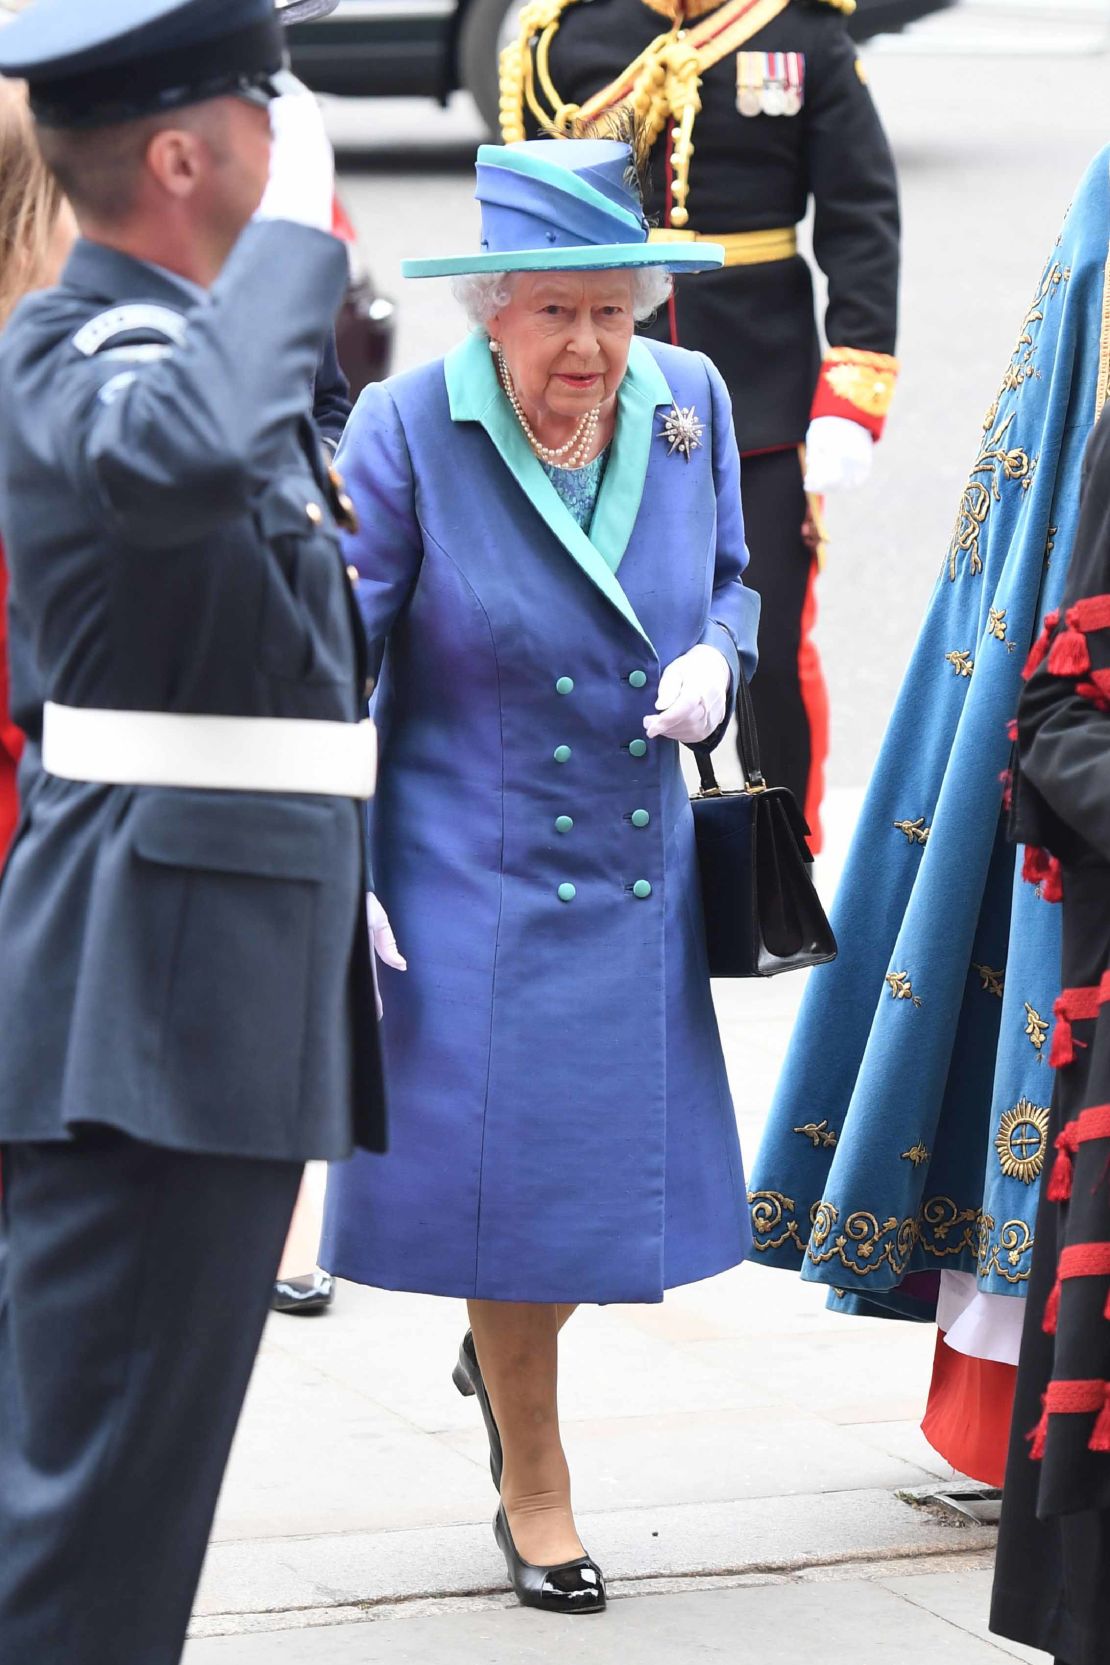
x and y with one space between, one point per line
1036 866
1040 647
1012 730
1100 1437
1059 1184
1063 1040
1052 889
1069 654
1052 1310
1039 1436
1006 781
1106 1308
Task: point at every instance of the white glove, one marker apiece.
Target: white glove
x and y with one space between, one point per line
385 943
302 162
693 695
839 454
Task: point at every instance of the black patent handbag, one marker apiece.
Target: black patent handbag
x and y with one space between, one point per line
762 913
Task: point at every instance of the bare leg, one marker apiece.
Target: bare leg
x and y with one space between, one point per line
518 1350
302 1245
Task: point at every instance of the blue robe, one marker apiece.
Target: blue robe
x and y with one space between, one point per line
562 1128
910 1127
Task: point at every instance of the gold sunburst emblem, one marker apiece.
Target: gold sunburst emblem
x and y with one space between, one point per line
682 431
1021 1141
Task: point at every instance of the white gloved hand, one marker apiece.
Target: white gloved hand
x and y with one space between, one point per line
385 943
693 696
302 162
839 455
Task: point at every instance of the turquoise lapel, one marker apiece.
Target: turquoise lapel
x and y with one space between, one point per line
475 395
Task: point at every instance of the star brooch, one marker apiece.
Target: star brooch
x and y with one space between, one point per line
682 431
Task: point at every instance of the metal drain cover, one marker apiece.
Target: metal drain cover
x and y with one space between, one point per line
981 1504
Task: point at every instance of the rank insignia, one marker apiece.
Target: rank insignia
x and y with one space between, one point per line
770 83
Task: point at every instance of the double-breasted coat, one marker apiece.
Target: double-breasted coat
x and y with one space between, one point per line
561 1125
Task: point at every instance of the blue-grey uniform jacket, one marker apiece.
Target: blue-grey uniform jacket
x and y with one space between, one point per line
189 967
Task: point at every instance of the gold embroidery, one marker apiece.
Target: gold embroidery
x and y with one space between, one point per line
861 71
998 464
1022 1140
1010 1256
994 982
1050 545
822 1135
995 464
916 832
769 1211
1036 1027
865 380
917 1154
961 661
901 988
996 623
940 1230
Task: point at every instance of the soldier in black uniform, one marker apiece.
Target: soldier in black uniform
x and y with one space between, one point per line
186 1001
753 108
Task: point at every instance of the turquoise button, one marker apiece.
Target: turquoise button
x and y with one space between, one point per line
563 823
637 679
640 817
565 685
641 890
636 748
562 754
567 893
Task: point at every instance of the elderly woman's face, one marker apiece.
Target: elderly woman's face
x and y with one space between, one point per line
566 337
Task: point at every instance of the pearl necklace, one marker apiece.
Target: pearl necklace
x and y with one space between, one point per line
578 446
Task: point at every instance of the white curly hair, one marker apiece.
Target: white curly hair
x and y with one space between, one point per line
483 294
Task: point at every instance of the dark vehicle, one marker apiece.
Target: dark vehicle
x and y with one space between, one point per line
431 48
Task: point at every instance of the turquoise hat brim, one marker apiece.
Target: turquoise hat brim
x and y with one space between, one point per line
675 257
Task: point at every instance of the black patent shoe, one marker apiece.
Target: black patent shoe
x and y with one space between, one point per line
467 1377
572 1587
308 1295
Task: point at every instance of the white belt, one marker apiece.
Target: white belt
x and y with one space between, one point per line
219 754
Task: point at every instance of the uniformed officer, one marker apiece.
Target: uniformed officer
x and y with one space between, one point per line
753 107
185 989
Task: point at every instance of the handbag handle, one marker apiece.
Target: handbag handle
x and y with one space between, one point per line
748 745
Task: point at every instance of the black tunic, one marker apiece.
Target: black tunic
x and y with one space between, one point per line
1052 1585
758 173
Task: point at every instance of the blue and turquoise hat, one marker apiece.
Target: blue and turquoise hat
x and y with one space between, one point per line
558 205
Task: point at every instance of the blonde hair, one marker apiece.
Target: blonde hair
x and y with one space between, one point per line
30 201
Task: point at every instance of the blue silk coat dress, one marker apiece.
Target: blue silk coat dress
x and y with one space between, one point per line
562 1129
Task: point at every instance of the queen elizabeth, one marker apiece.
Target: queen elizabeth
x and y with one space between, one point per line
550 570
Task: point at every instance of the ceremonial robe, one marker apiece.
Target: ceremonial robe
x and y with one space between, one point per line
910 1126
561 1124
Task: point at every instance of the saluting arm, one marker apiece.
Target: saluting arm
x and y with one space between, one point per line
174 447
1064 717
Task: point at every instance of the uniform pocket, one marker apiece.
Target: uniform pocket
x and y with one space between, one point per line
236 883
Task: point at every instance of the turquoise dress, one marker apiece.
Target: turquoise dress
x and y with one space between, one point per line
579 487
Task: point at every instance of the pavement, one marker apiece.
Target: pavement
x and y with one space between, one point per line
748 1470
748 1467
